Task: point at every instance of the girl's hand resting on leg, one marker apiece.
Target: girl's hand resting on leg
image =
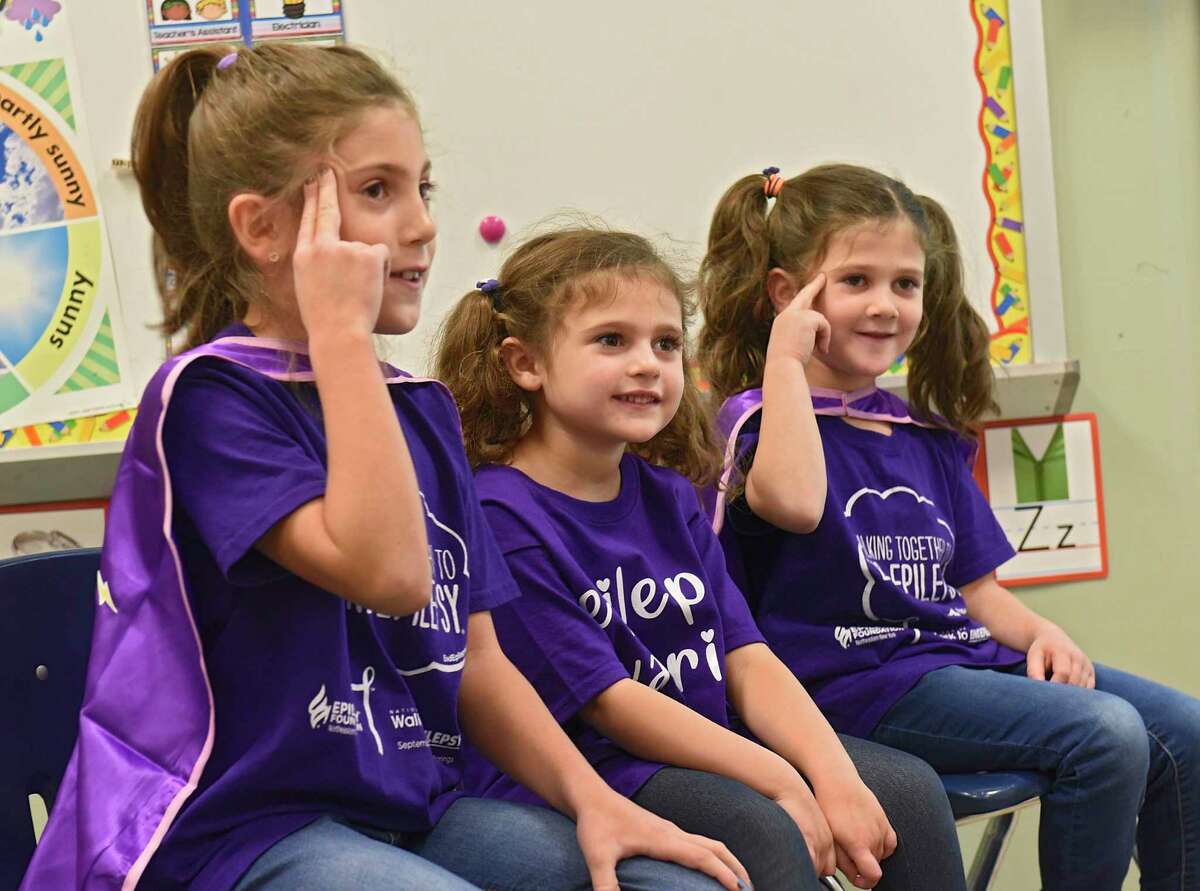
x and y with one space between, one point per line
800 804
1055 657
862 835
615 828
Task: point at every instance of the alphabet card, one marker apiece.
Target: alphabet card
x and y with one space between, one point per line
1042 479
62 351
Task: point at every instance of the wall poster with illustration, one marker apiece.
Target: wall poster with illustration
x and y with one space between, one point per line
1042 479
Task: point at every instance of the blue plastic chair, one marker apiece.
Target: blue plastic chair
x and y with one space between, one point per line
48 604
996 797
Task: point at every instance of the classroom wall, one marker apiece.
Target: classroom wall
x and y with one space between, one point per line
1124 86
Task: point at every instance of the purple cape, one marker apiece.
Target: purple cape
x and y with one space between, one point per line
869 403
146 725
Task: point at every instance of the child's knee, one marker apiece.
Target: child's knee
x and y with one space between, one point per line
1117 736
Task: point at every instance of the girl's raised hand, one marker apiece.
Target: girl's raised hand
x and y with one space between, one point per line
615 828
339 284
800 329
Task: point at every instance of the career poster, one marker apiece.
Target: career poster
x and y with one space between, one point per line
1042 478
180 25
61 334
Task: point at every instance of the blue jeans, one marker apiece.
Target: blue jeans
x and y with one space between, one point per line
497 845
1124 761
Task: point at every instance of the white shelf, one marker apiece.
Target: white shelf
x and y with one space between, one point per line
58 473
1022 391
72 472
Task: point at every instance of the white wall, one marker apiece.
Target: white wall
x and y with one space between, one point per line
641 113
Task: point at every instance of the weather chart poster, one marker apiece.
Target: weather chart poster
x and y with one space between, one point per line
61 347
179 25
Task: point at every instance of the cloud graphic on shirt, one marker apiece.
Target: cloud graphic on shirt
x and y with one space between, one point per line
865 563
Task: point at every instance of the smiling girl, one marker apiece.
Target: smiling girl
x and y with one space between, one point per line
296 578
589 438
868 549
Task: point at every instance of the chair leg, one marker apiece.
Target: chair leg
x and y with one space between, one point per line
991 849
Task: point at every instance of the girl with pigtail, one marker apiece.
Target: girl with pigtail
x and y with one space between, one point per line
293 633
589 438
867 549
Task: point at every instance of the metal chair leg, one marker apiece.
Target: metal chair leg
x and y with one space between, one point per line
996 835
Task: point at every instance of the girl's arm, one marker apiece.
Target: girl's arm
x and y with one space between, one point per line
503 716
786 484
365 539
1049 650
779 711
655 727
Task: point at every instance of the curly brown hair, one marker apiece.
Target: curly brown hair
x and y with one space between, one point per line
747 239
203 134
543 278
949 366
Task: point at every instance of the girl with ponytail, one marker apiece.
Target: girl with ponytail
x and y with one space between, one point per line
589 440
293 632
868 550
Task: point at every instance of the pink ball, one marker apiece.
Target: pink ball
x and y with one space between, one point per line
492 229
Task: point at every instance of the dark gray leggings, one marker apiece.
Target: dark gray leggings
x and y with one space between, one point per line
765 839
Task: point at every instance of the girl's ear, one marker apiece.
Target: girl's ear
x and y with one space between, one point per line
782 287
261 227
522 364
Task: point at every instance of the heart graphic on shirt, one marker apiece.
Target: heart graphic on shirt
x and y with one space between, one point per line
707 636
602 585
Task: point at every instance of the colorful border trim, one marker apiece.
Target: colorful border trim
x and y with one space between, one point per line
1012 342
109 427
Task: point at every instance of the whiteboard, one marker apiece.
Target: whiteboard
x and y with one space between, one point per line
642 114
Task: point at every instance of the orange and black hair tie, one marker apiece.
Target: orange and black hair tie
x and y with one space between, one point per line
773 183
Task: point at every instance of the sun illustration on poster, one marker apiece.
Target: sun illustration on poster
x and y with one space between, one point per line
59 320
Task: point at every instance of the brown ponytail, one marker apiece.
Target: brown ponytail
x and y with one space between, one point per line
733 276
495 411
542 280
949 369
203 134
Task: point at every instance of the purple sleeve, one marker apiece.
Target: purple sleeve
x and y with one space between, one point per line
491 582
737 621
980 544
561 650
235 466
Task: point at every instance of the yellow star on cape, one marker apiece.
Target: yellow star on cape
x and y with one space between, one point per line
103 594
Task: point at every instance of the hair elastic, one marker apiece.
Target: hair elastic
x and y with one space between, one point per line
227 60
491 288
774 183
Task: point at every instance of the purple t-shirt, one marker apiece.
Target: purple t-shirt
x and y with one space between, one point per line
630 588
322 706
865 605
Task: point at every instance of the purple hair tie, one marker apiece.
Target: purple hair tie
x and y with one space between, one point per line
227 60
491 288
770 171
